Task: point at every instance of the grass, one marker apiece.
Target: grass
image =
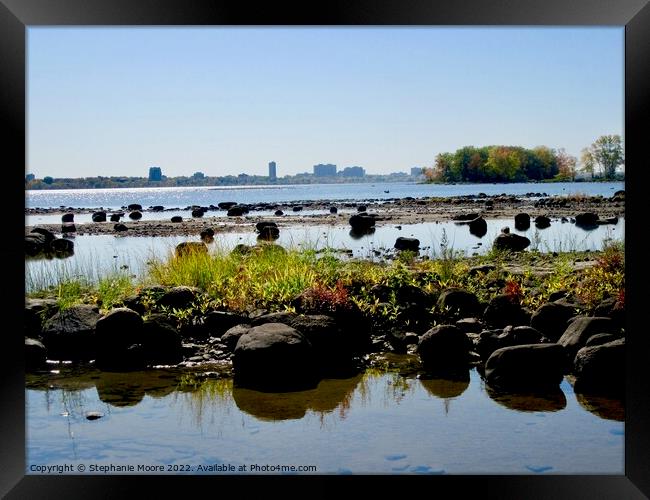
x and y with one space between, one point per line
270 277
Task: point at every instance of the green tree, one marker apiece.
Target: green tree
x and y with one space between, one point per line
48 180
587 161
607 151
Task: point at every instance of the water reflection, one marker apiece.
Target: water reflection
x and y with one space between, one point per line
609 409
445 388
327 397
550 401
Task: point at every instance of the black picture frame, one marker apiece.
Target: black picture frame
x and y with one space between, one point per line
17 15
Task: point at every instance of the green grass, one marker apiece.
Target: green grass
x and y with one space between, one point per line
271 277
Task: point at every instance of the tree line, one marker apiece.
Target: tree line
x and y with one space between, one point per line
517 164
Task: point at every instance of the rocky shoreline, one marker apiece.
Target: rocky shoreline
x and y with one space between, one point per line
334 213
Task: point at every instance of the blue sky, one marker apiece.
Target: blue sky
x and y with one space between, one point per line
115 101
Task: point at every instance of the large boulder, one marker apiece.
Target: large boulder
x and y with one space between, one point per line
161 341
35 355
522 222
361 222
458 301
478 227
587 220
444 348
219 322
232 335
511 242
236 211
135 215
70 334
134 206
581 329
35 244
99 216
179 297
412 244
69 217
274 357
542 222
176 219
62 247
276 317
226 205
600 369
526 367
119 340
491 340
332 351
504 310
551 319
36 312
190 247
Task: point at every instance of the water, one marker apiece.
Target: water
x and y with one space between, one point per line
367 424
97 255
113 199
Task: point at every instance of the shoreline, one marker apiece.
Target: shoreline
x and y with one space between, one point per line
407 210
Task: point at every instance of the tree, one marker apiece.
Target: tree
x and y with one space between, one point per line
588 162
566 165
48 180
607 151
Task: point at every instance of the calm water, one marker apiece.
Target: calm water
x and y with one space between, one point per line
96 255
182 197
367 424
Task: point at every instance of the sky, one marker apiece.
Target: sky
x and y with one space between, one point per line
227 100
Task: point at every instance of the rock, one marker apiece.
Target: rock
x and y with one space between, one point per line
242 249
36 312
179 297
600 339
99 217
48 236
67 217
161 342
600 369
35 355
197 212
411 244
491 340
608 220
478 227
522 222
93 415
275 358
119 340
551 319
444 348
62 246
511 242
296 208
231 336
135 215
116 217
361 208
263 224
465 217
526 367
177 218
581 329
333 210
587 220
236 211
504 310
134 206
35 244
207 234
278 213
458 301
70 334
157 208
469 325
484 269
542 222
120 227
612 308
190 247
218 322
68 228
361 222
268 230
226 205
276 317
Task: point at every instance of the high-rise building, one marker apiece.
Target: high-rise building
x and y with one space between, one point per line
155 174
272 171
324 170
353 172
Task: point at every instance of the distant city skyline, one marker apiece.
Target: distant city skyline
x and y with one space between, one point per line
226 101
